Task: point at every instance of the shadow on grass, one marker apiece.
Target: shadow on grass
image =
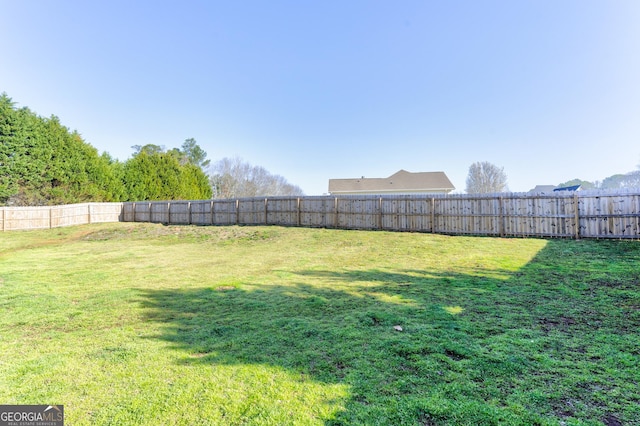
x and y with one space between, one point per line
551 342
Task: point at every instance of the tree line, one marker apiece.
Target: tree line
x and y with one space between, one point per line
42 162
485 178
617 181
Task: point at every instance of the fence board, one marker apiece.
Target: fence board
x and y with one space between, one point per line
44 217
180 212
282 211
611 216
159 212
105 212
26 218
318 212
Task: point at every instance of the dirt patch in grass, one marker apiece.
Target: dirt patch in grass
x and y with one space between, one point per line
560 323
454 355
27 240
611 420
179 233
225 288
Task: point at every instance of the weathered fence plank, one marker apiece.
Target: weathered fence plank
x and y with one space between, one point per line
43 217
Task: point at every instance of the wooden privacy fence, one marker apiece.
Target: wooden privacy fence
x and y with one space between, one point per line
566 215
41 217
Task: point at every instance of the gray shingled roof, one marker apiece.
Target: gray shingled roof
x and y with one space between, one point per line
543 188
398 182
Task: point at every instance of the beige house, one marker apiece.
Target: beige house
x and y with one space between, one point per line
402 182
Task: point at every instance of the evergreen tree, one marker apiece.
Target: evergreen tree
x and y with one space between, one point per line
160 176
194 183
194 154
42 162
21 156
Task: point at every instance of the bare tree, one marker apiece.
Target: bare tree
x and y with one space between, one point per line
234 178
485 178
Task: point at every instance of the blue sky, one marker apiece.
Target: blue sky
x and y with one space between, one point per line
313 90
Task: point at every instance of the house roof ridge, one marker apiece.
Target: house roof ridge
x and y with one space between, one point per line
402 180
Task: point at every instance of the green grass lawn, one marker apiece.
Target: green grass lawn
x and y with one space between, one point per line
151 324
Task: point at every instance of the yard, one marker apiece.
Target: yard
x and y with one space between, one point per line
149 324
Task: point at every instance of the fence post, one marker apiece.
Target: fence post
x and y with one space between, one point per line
168 213
189 218
380 213
433 215
50 217
89 213
501 224
4 219
266 213
237 212
577 215
298 207
335 210
212 214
